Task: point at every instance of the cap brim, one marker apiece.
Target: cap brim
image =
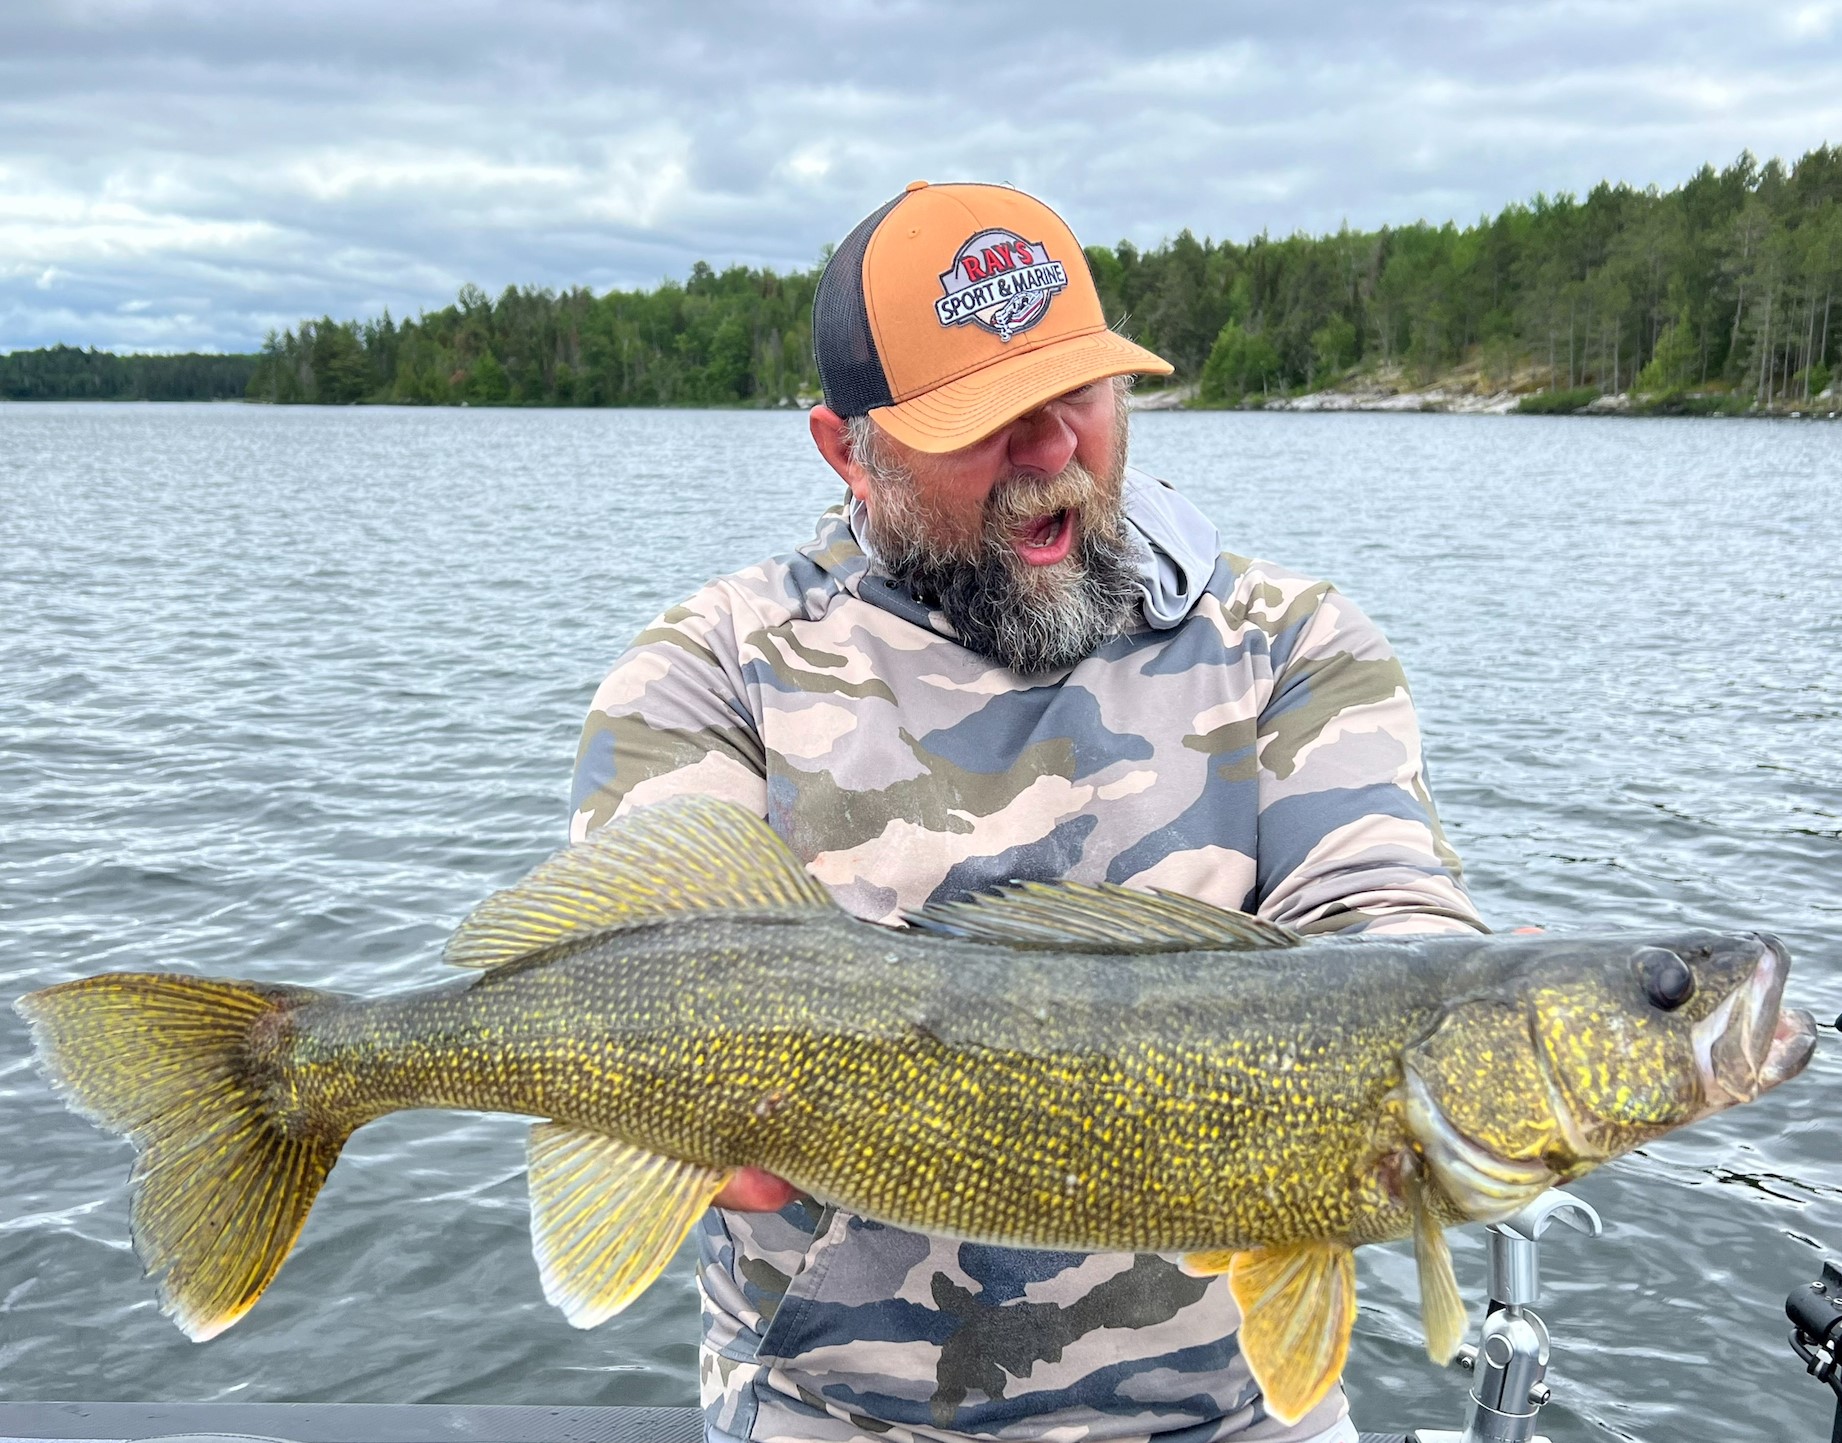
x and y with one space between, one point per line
970 407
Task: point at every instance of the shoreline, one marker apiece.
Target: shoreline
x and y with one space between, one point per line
1465 395
1436 399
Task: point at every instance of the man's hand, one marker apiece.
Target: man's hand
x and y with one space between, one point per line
750 1190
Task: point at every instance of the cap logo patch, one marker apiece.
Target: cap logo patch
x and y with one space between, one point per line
1000 282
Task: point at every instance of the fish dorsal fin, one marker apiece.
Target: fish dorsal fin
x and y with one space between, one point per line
1442 1310
1099 917
690 854
607 1217
1298 1304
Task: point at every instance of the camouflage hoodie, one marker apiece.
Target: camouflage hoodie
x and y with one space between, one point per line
1250 742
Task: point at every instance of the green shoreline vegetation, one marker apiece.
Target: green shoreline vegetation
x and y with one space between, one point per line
68 373
1721 295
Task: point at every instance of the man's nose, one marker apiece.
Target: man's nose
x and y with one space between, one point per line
1042 441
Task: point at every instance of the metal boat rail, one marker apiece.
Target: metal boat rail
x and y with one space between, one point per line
357 1423
347 1423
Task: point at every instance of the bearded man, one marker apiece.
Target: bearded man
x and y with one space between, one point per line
1008 656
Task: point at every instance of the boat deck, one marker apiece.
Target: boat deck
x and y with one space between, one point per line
360 1423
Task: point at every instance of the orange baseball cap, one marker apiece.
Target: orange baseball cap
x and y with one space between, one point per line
954 309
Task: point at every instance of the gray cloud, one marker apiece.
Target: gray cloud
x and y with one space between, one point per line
188 173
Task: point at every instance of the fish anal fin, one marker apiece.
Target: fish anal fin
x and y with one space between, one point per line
1442 1310
1208 1265
686 855
606 1217
1298 1305
1099 917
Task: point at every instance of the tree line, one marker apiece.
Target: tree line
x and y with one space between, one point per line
66 373
737 336
1729 283
1730 280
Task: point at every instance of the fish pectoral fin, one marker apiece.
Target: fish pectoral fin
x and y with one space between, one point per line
686 855
1298 1304
1442 1310
607 1217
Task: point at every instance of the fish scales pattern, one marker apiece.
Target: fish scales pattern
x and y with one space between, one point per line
1293 1101
1154 1106
1261 755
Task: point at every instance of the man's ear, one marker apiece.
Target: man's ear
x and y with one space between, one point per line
833 438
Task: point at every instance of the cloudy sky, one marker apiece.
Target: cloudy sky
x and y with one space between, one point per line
185 174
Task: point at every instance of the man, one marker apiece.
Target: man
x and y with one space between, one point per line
1008 656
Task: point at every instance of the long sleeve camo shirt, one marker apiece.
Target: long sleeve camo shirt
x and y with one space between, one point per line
1256 749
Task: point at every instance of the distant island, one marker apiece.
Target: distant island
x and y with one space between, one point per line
1716 296
69 373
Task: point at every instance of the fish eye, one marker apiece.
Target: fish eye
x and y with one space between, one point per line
1668 983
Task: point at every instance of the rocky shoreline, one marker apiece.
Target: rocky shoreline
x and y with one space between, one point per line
1466 397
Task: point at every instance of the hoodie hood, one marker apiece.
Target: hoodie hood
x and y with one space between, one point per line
1180 548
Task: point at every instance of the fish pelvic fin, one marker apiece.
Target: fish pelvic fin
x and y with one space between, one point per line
606 1217
1099 917
689 854
182 1067
1442 1310
1298 1305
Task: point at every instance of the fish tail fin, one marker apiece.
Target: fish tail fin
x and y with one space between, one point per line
185 1068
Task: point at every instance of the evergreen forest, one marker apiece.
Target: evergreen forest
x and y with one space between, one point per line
65 373
1729 285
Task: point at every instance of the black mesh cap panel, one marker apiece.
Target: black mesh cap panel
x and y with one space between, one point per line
849 368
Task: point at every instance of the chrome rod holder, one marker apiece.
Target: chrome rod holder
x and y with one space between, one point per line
1509 1365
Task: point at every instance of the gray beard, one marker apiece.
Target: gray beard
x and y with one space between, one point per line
1031 619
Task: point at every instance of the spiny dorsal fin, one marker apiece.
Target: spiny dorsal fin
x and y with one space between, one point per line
607 1217
689 854
1099 917
1298 1304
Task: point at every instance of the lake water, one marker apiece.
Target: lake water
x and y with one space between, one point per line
284 692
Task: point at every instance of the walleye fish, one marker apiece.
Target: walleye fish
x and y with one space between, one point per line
1052 1066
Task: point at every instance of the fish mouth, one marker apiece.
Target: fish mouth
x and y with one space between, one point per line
1485 1186
1751 1043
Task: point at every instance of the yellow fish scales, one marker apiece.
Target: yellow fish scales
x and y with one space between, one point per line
1056 1066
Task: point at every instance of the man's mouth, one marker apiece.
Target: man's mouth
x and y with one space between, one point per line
1047 539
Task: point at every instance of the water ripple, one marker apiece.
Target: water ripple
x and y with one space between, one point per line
288 691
